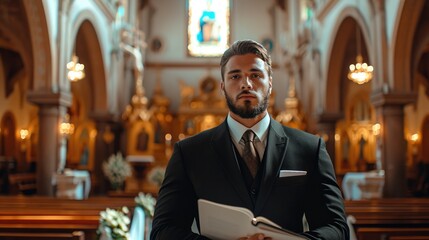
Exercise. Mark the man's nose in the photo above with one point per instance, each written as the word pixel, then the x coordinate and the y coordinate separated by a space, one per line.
pixel 246 83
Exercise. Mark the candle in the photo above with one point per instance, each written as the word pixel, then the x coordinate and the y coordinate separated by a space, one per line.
pixel 168 139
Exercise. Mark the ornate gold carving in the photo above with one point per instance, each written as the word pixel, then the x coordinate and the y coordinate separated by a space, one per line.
pixel 198 112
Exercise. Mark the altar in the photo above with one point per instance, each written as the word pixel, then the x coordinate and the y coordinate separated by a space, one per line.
pixel 140 165
pixel 363 185
pixel 72 184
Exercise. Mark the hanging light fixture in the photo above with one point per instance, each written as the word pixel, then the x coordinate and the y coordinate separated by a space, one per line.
pixel 76 70
pixel 360 72
pixel 66 128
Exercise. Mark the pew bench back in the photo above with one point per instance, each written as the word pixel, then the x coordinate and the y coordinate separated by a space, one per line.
pixel 45 216
pixel 383 219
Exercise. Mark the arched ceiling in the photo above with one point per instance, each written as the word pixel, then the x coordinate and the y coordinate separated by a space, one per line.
pixel 344 52
pixel 15 46
pixel 91 91
pixel 422 48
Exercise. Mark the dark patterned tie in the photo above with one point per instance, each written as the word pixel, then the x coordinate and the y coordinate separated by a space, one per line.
pixel 250 155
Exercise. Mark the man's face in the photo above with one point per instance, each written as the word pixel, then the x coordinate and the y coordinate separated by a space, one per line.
pixel 246 85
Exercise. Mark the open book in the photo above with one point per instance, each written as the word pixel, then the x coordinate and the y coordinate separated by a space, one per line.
pixel 220 221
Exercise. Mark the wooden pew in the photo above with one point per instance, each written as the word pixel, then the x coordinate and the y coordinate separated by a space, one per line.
pixel 22 183
pixel 382 219
pixel 386 233
pixel 44 215
pixel 76 235
pixel 409 238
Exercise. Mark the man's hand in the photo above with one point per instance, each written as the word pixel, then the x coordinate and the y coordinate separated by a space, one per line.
pixel 258 236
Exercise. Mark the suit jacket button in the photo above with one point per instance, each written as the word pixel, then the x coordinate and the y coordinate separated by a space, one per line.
pixel 253 191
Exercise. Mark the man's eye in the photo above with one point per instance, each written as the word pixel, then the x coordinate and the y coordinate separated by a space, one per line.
pixel 236 76
pixel 255 75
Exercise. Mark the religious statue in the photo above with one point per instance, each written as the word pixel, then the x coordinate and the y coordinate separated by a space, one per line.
pixel 361 163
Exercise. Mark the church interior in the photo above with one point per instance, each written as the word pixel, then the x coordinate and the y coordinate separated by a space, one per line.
pixel 95 93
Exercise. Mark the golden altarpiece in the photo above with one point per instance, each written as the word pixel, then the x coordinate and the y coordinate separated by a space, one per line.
pixel 200 110
pixel 292 116
pixel 151 131
pixel 206 108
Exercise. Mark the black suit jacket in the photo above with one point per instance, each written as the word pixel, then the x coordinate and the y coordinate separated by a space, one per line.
pixel 204 166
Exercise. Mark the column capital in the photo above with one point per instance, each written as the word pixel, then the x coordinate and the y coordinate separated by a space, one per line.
pixel 43 97
pixel 381 99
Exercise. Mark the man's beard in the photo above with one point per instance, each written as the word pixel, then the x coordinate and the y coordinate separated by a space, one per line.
pixel 247 111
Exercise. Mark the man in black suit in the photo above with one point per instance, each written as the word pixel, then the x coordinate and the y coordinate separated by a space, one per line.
pixel 213 165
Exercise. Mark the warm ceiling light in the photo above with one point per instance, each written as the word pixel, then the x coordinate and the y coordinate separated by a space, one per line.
pixel 360 72
pixel 76 70
pixel 376 128
pixel 23 134
pixel 66 128
pixel 414 138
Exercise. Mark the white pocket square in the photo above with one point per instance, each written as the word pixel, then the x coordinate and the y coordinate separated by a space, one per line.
pixel 292 173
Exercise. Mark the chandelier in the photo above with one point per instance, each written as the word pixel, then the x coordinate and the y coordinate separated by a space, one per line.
pixel 75 70
pixel 66 128
pixel 360 72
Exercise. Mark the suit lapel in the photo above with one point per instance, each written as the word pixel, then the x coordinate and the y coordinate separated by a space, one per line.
pixel 223 147
pixel 275 153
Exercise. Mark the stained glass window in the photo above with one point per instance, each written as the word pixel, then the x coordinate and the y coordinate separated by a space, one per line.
pixel 208 27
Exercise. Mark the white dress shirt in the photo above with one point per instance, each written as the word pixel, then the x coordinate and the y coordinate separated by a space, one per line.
pixel 237 130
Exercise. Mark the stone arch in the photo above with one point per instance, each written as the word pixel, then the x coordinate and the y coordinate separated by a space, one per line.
pixel 15 47
pixel 402 44
pixel 40 40
pixel 425 140
pixel 344 32
pixel 420 54
pixel 88 47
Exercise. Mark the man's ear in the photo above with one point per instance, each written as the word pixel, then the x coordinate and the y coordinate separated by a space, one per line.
pixel 222 87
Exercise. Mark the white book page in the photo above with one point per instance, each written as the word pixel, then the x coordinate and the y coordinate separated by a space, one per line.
pixel 219 221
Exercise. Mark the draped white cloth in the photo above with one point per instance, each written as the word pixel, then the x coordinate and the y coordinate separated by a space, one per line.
pixel 350 221
pixel 138 225
pixel 363 185
pixel 72 184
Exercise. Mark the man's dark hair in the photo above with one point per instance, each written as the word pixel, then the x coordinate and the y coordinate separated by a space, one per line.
pixel 244 47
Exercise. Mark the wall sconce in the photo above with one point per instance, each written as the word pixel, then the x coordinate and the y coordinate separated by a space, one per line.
pixel 414 139
pixel 66 128
pixel 23 134
pixel 376 129
pixel 76 70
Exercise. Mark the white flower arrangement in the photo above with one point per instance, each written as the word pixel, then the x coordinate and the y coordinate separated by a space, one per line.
pixel 156 175
pixel 147 202
pixel 116 169
pixel 114 224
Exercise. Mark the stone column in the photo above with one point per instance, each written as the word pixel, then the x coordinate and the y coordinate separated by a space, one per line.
pixel 103 150
pixel 52 106
pixel 390 112
pixel 326 123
